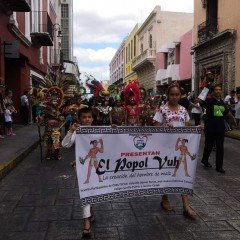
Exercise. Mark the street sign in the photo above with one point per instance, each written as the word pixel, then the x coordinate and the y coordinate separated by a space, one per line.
pixel 11 49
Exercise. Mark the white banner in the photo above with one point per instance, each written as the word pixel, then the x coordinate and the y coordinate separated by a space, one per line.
pixel 135 161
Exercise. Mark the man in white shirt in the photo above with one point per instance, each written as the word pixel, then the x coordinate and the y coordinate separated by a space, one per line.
pixel 25 107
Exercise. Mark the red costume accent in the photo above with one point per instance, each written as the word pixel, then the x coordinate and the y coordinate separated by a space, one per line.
pixel 132 98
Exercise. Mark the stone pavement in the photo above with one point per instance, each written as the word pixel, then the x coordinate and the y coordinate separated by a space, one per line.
pixel 40 201
pixel 14 148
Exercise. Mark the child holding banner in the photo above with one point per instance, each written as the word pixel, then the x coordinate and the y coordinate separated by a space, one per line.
pixel 86 118
pixel 173 115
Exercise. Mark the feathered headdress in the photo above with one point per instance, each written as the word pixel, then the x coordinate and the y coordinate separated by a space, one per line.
pixel 97 88
pixel 132 91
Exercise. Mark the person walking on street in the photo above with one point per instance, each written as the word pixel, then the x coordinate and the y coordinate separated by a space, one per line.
pixel 196 112
pixel 216 113
pixel 25 107
pixel 172 114
pixel 237 109
pixel 230 100
pixel 85 117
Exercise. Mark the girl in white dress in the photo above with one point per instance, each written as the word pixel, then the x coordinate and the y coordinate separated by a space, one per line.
pixel 174 115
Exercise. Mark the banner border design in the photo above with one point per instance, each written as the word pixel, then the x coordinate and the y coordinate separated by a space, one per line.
pixel 134 193
pixel 137 130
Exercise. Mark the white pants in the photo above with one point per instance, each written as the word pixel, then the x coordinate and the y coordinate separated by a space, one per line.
pixel 86 211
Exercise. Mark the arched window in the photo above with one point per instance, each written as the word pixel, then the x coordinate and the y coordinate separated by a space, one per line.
pixel 150 41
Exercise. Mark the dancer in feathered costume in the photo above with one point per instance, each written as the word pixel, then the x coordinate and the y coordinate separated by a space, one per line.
pixel 50 98
pixel 118 112
pixel 102 112
pixel 132 98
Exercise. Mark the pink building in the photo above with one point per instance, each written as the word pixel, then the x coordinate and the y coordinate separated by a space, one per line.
pixel 117 65
pixel 174 63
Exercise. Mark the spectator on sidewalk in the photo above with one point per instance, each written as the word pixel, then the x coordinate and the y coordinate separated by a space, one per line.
pixel 237 109
pixel 25 107
pixel 216 112
pixel 2 108
pixel 8 120
pixel 8 100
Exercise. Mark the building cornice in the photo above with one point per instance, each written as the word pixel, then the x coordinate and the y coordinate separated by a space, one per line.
pixel 15 30
pixel 149 18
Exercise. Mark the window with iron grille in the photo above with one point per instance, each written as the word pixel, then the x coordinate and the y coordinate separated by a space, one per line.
pixel 64 11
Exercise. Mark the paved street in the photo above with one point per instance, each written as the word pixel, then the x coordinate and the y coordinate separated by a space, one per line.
pixel 40 201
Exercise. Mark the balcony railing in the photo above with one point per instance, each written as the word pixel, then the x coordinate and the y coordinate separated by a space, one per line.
pixel 41 28
pixel 16 5
pixel 206 31
pixel 149 55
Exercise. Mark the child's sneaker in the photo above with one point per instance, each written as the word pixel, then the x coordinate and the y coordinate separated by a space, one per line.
pixel 2 137
pixel 13 134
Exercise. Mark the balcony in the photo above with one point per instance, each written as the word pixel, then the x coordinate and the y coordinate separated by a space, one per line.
pixel 147 56
pixel 16 5
pixel 206 31
pixel 55 57
pixel 41 29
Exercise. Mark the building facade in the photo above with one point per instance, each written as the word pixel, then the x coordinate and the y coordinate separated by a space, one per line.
pixel 158 29
pixel 117 65
pixel 29 38
pixel 174 63
pixel 67 29
pixel 131 51
pixel 216 42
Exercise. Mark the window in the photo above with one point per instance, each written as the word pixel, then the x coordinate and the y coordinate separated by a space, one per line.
pixel 150 41
pixel 131 49
pixel 126 54
pixel 212 13
pixel 64 11
pixel 141 47
pixel 165 60
pixel 134 46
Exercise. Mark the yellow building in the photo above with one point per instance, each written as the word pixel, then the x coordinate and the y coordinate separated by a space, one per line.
pixel 131 51
pixel 217 41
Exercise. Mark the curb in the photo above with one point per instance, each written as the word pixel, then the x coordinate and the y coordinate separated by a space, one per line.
pixel 11 164
pixel 232 135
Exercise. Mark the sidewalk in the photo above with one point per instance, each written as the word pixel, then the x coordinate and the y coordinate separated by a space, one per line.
pixel 13 149
pixel 235 134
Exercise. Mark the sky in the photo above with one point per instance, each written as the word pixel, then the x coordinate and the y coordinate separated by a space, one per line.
pixel 99 26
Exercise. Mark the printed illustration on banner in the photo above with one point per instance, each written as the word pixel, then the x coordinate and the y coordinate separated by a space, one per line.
pixel 184 152
pixel 92 156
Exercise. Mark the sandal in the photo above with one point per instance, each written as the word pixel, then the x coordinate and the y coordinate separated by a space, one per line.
pixel 165 204
pixel 87 231
pixel 189 212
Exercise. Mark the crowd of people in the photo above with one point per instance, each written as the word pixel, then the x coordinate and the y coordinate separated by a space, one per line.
pixel 131 106
pixel 169 110
pixel 8 111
